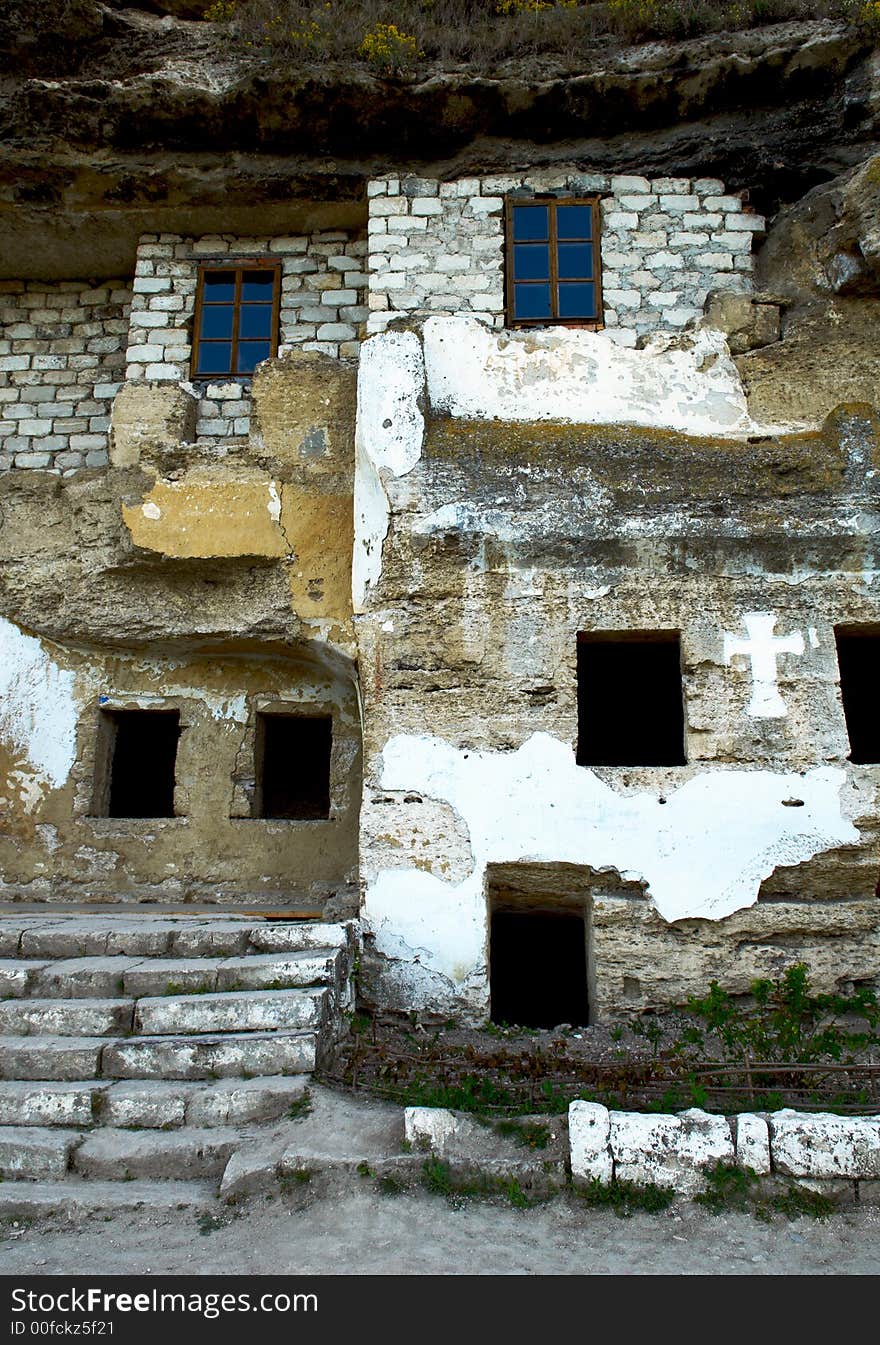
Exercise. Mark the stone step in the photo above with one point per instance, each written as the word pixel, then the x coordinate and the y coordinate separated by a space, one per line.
pixel 53 1102
pixel 76 1197
pixel 16 974
pixel 156 1104
pixel 236 1011
pixel 148 1103
pixel 235 1055
pixel 66 1017
pixel 125 1155
pixel 257 971
pixel 50 1057
pixel 30 1153
pixel 78 936
pixel 82 978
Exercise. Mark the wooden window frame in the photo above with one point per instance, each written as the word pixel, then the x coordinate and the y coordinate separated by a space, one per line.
pixel 590 324
pixel 238 265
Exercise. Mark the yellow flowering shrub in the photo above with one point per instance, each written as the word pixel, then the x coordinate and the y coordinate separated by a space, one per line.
pixel 389 50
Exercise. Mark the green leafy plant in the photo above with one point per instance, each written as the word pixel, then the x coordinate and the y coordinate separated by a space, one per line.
pixel 531 1134
pixel 785 1022
pixel 626 1198
pixel 300 1106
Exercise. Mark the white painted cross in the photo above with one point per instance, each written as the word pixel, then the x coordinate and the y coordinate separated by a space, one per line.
pixel 763 648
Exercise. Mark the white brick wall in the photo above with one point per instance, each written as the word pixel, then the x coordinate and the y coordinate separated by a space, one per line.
pixel 62 358
pixel 323 308
pixel 438 247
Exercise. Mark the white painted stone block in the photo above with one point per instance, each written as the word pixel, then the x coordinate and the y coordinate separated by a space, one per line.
pixel 589 1131
pixel 429 1128
pixel 753 1143
pixel 669 1150
pixel 823 1145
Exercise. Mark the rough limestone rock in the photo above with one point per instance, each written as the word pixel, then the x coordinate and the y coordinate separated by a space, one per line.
pixel 589 1129
pixel 821 260
pixel 825 1146
pixel 669 1150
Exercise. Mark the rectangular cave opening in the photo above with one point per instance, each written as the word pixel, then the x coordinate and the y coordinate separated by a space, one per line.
pixel 858 659
pixel 538 967
pixel 293 766
pixel 630 699
pixel 137 765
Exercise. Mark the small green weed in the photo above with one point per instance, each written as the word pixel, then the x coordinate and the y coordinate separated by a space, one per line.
pixel 800 1200
pixel 300 1106
pixel 209 1223
pixel 364 1170
pixel 626 1198
pixel 439 1179
pixel 294 1179
pixel 531 1134
pixel 390 1184
pixel 727 1188
pixel 731 1188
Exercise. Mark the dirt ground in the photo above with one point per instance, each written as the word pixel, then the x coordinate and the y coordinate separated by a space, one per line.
pixel 343 1225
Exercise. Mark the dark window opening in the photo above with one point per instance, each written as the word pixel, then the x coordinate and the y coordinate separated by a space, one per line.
pixel 293 766
pixel 553 262
pixel 538 968
pixel 858 658
pixel 236 323
pixel 630 701
pixel 141 753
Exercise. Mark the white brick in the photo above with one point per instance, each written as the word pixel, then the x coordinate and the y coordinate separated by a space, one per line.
pixel 485 205
pixel 628 184
pixel 702 219
pixel 621 219
pixel 409 224
pixel 688 238
pixel 288 245
pixel 426 205
pixel 708 186
pixel 163 373
pixel 150 284
pixel 384 205
pixel 745 223
pixel 723 203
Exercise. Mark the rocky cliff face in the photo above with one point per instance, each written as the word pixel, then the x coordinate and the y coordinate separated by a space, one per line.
pixel 117 120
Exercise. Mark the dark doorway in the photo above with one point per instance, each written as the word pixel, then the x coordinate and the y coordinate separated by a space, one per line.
pixel 630 701
pixel 142 756
pixel 538 968
pixel 858 657
pixel 293 766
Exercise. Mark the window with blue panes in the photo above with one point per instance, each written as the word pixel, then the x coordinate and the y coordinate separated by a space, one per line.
pixel 553 262
pixel 236 319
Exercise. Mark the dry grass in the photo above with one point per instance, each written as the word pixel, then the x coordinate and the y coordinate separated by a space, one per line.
pixel 399 37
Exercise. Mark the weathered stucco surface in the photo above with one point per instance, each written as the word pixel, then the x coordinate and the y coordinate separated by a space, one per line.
pixel 499 539
pixel 220 587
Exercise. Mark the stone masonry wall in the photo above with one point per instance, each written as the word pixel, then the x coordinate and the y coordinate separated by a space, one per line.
pixel 323 308
pixel 438 247
pixel 62 358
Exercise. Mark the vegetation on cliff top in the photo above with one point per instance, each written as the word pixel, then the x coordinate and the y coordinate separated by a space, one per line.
pixel 398 37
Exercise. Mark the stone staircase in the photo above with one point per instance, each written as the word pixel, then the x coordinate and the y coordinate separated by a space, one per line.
pixel 139 1054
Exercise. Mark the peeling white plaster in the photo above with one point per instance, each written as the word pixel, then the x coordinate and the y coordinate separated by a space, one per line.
pixel 686 382
pixel 151 510
pixel 703 853
pixel 274 505
pixel 762 648
pixel 38 713
pixel 390 430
